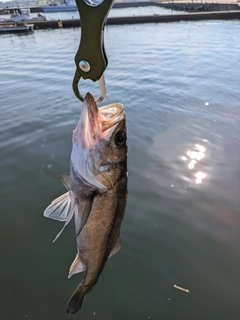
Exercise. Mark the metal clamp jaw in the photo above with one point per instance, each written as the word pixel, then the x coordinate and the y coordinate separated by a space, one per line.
pixel 91 60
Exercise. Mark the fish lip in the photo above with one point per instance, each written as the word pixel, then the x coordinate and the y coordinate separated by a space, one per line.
pixel 99 123
pixel 114 118
pixel 91 107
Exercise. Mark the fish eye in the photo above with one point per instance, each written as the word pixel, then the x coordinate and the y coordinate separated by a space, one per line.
pixel 120 138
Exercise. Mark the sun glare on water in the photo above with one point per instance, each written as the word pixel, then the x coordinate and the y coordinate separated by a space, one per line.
pixel 192 159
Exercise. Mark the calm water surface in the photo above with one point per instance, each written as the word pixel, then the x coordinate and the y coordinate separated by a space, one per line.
pixel 180 84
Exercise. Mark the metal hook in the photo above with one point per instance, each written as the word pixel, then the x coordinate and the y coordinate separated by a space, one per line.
pixel 101 82
pixel 102 86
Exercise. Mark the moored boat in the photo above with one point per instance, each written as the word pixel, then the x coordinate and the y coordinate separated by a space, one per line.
pixel 16 28
pixel 4 11
pixel 67 5
pixel 25 15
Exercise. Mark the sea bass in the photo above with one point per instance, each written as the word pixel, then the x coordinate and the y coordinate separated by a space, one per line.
pixel 97 192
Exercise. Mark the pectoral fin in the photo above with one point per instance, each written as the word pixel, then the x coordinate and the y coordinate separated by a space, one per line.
pixel 69 218
pixel 116 247
pixel 61 209
pixel 77 266
pixel 85 212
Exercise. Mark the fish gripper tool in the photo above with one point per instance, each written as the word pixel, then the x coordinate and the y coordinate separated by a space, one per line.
pixel 91 59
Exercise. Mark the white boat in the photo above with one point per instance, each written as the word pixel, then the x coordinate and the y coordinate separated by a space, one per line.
pixel 15 28
pixel 4 11
pixel 25 15
pixel 67 5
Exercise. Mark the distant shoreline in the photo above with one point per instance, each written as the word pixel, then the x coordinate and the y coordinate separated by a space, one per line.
pixel 179 5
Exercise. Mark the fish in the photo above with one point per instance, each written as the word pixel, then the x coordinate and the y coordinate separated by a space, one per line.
pixel 96 194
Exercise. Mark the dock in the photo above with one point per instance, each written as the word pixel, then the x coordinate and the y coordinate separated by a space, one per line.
pixel 188 6
pixel 154 18
pixel 75 23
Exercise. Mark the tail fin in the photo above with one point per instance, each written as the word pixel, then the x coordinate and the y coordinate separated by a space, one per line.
pixel 75 302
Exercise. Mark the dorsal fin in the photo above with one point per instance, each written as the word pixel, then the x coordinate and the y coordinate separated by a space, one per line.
pixel 116 248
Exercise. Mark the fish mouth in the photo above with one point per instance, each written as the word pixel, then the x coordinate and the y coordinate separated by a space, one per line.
pixel 97 123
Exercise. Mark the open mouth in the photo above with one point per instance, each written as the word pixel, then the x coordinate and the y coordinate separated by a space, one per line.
pixel 97 123
pixel 113 114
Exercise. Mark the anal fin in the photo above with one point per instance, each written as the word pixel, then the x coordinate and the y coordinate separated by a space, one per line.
pixel 77 266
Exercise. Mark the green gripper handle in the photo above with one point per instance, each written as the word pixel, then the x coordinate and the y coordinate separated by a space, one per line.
pixel 91 48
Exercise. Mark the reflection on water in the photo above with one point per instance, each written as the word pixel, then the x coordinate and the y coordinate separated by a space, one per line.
pixel 200 176
pixel 192 159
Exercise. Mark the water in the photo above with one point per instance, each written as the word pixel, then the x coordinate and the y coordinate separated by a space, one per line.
pixel 180 84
